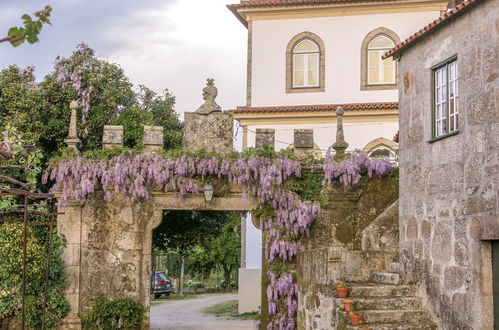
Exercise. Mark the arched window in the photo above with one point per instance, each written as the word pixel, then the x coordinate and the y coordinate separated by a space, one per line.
pixel 381 148
pixel 305 64
pixel 377 73
pixel 380 71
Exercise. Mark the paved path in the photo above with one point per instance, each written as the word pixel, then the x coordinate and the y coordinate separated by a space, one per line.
pixel 188 314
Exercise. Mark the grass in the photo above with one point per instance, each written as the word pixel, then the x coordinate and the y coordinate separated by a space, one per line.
pixel 229 309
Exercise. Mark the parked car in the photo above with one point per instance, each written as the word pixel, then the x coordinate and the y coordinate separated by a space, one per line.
pixel 160 284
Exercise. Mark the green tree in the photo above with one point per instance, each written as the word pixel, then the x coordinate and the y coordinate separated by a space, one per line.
pixel 31 28
pixel 181 232
pixel 207 240
pixel 105 95
pixel 151 109
pixel 222 251
pixel 20 100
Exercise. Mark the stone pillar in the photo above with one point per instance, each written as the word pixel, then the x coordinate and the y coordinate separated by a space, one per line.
pixel 340 145
pixel 209 128
pixel 153 138
pixel 69 224
pixel 265 137
pixel 212 132
pixel 304 142
pixel 245 137
pixel 112 136
pixel 72 140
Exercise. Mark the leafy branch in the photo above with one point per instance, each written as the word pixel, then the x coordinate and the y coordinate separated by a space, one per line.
pixel 31 29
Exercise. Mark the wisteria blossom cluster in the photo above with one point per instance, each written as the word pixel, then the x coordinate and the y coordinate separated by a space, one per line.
pixel 73 77
pixel 348 172
pixel 136 175
pixel 282 288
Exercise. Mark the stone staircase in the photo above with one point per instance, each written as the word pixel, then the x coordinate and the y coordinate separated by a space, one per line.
pixel 385 304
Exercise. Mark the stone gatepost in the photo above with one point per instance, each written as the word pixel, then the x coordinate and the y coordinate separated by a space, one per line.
pixel 209 128
pixel 72 139
pixel 304 142
pixel 153 138
pixel 112 136
pixel 265 137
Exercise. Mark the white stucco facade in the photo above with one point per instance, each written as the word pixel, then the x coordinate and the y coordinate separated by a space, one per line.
pixel 342 37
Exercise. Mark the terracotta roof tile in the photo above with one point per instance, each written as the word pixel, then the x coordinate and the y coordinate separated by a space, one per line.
pixel 290 3
pixel 319 107
pixel 432 27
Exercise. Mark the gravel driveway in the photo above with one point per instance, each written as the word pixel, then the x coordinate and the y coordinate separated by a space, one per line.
pixel 188 314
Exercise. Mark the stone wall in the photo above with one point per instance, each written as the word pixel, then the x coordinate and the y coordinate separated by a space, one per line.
pixel 335 247
pixel 109 244
pixel 449 188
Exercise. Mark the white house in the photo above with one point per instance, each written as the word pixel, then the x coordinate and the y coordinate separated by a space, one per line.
pixel 305 58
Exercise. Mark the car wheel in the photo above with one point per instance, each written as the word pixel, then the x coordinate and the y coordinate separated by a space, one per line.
pixel 157 295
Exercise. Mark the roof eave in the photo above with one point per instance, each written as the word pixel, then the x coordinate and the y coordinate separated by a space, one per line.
pixel 239 16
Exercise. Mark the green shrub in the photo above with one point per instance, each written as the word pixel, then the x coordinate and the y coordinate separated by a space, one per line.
pixel 108 314
pixel 56 307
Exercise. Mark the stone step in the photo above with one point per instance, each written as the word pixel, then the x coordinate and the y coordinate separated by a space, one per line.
pixel 395 316
pixel 397 326
pixel 385 278
pixel 366 290
pixel 399 303
pixel 396 267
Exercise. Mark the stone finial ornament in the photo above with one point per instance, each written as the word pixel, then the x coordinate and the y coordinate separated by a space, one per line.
pixel 340 145
pixel 72 140
pixel 210 93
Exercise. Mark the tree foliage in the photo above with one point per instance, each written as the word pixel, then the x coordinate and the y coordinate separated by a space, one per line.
pixel 222 251
pixel 56 307
pixel 183 231
pixel 30 29
pixel 105 96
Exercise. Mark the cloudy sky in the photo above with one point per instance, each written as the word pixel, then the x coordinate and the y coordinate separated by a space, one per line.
pixel 174 44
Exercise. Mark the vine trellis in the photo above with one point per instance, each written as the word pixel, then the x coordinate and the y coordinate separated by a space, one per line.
pixel 283 214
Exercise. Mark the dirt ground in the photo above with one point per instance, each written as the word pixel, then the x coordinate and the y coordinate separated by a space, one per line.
pixel 188 314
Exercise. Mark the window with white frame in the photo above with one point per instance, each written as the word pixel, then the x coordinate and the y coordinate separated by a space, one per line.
pixel 445 98
pixel 380 71
pixel 306 64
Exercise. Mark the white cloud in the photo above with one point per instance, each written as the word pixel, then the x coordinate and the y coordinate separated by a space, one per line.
pixel 178 46
pixel 174 44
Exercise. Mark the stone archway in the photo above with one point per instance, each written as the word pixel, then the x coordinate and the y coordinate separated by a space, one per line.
pixel 109 244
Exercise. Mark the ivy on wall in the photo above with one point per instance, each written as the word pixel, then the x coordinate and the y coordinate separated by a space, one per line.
pixel 288 204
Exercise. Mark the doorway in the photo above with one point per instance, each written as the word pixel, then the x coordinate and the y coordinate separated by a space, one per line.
pixel 197 255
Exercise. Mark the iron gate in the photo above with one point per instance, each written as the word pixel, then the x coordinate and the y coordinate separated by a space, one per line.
pixel 27 208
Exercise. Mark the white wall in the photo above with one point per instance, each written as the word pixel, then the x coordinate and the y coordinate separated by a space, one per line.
pixel 357 135
pixel 253 244
pixel 342 37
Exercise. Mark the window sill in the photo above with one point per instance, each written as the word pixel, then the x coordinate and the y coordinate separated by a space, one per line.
pixel 441 137
pixel 378 87
pixel 305 89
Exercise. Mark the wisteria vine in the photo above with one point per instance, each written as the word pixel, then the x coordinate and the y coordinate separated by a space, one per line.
pixel 72 76
pixel 137 175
